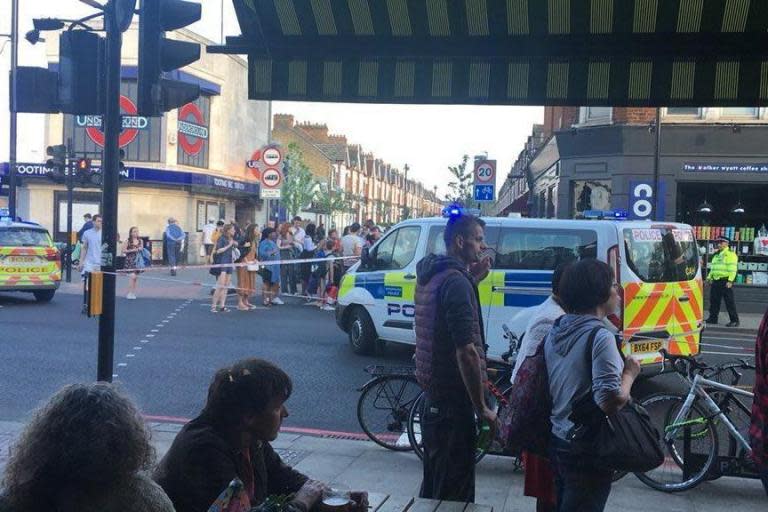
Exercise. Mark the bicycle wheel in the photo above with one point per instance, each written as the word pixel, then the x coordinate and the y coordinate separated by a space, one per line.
pixel 671 476
pixel 383 409
pixel 414 430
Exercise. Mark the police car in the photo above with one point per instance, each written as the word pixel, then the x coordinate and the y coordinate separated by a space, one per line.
pixel 29 261
pixel 656 266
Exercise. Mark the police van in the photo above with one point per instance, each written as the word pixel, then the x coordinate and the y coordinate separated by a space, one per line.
pixel 29 261
pixel 656 266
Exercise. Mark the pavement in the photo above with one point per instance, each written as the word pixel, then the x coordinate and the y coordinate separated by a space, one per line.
pixel 366 466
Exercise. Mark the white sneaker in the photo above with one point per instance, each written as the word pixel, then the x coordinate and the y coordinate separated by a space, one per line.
pixel 130 296
pixel 328 308
pixel 277 301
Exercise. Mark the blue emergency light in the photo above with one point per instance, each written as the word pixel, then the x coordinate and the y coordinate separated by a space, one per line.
pixel 457 210
pixel 618 214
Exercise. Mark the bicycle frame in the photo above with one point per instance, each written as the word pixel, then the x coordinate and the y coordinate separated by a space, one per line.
pixel 711 409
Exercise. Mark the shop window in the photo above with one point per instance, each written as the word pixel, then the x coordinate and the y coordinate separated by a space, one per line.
pixel 194 133
pixel 741 112
pixel 209 210
pixel 684 112
pixel 141 139
pixel 595 115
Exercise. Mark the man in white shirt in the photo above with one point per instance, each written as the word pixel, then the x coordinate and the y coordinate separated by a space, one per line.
pixel 352 244
pixel 90 253
pixel 208 231
pixel 298 233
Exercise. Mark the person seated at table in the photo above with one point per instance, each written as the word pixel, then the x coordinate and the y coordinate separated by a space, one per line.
pixel 86 450
pixel 231 439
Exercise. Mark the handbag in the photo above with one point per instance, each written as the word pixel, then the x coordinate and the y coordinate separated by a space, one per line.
pixel 525 422
pixel 146 257
pixel 623 441
pixel 235 254
pixel 201 252
pixel 214 271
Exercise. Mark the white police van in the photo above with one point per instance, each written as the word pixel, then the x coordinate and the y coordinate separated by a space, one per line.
pixel 656 265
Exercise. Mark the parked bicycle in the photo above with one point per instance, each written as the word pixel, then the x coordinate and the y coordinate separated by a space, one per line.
pixel 692 425
pixel 385 403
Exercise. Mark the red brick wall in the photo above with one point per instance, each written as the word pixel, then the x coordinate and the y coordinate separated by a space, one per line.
pixel 558 118
pixel 633 115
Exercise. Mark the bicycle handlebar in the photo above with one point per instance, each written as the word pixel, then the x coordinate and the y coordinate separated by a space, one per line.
pixel 684 365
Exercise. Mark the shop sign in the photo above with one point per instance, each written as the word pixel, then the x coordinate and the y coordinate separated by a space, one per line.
pixel 732 168
pixel 131 124
pixel 641 200
pixel 193 131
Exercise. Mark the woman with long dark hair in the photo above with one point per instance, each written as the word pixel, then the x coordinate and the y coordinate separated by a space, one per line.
pixel 134 247
pixel 85 450
pixel 223 257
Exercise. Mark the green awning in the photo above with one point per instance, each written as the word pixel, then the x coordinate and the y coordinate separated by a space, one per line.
pixel 516 52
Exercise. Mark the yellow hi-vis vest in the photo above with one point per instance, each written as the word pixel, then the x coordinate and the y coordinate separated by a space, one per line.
pixel 723 265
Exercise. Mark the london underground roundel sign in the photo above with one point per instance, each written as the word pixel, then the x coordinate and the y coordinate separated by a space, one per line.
pixel 253 164
pixel 192 130
pixel 132 123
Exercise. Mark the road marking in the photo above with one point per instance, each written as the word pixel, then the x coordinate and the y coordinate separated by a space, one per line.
pixel 154 330
pixel 144 341
pixel 122 364
pixel 114 375
pixel 136 348
pixel 165 321
pixel 723 346
pixel 150 335
pixel 130 355
pixel 159 325
pixel 741 354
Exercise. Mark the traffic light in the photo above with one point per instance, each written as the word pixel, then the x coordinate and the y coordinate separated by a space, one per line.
pixel 157 55
pixel 81 58
pixel 57 163
pixel 86 175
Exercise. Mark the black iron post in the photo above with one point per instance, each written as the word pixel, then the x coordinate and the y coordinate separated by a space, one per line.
pixel 110 164
pixel 70 193
pixel 656 150
pixel 13 126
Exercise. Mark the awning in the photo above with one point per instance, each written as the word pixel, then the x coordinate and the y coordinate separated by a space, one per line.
pixel 521 52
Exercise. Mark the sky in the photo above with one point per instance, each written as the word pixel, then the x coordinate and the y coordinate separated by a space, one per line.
pixel 429 138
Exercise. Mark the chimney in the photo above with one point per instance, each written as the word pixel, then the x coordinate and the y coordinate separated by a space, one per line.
pixel 283 121
pixel 317 132
pixel 338 139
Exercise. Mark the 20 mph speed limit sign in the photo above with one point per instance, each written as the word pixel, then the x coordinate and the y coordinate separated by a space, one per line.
pixel 485 172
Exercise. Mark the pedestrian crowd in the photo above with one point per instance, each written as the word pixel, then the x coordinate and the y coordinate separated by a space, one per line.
pixel 571 387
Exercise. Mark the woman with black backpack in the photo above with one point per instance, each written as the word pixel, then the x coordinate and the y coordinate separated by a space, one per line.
pixel 583 360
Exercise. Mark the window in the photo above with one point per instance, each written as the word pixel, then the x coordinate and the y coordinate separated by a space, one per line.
pixel 543 249
pixel 436 242
pixel 595 115
pixel 747 112
pixel 397 249
pixel 24 237
pixel 684 111
pixel 661 255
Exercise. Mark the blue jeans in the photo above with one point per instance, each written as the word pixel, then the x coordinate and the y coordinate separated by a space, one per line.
pixel 172 252
pixel 581 487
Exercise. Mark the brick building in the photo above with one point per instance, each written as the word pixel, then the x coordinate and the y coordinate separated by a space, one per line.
pixel 376 190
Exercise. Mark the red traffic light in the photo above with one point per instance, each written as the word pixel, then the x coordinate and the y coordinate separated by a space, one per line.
pixel 84 164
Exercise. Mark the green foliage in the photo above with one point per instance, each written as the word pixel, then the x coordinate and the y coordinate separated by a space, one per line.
pixel 461 184
pixel 331 203
pixel 300 187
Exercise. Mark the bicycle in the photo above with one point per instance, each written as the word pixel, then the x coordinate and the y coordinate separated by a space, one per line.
pixel 498 388
pixel 385 403
pixel 692 423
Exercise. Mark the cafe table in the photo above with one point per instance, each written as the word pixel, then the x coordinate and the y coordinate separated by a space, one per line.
pixel 394 503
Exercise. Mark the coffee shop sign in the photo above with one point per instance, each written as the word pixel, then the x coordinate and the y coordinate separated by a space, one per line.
pixel 725 167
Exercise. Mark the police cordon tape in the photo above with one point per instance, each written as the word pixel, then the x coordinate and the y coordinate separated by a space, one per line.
pixel 243 264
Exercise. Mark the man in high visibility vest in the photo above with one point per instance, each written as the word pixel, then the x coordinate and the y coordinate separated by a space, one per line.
pixel 722 274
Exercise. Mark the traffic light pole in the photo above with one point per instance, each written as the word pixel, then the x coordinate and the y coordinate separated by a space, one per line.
pixel 13 126
pixel 70 193
pixel 110 164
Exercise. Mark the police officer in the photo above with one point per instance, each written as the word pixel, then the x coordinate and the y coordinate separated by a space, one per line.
pixel 722 274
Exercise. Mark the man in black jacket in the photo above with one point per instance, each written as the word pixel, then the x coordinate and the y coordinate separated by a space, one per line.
pixel 450 360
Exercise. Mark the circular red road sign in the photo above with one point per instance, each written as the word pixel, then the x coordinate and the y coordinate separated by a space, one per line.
pixel 126 136
pixel 271 178
pixel 192 130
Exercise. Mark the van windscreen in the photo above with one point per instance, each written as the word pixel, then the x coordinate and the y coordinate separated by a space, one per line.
pixel 661 255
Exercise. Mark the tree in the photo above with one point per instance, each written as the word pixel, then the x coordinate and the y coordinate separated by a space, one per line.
pixel 331 203
pixel 461 186
pixel 300 187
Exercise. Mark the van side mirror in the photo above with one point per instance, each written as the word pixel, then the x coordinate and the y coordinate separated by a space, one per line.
pixel 365 258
